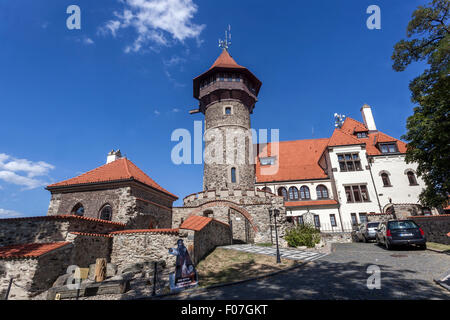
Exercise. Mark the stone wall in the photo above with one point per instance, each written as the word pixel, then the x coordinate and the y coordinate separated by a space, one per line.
pixel 49 229
pixel 436 228
pixel 35 275
pixel 207 239
pixel 87 248
pixel 132 247
pixel 255 204
pixel 135 205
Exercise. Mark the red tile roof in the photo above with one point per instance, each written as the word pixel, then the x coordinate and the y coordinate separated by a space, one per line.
pixel 342 138
pixel 91 234
pixel 309 203
pixel 225 61
pixel 166 231
pixel 119 170
pixel 29 250
pixel 297 160
pixel 196 223
pixel 66 217
pixel 352 126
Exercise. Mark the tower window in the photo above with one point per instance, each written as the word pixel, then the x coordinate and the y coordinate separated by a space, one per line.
pixel 233 175
pixel 228 110
pixel 106 213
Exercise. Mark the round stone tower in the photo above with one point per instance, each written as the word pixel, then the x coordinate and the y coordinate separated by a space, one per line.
pixel 227 94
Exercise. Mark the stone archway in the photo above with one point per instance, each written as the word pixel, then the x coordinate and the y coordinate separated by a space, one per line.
pixel 239 219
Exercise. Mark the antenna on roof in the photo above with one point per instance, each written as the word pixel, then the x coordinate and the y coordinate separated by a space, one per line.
pixel 225 44
pixel 338 120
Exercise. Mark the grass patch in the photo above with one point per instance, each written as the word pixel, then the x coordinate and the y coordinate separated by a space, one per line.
pixel 439 247
pixel 268 244
pixel 223 266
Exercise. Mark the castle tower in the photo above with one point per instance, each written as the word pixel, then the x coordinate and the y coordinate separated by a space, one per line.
pixel 227 94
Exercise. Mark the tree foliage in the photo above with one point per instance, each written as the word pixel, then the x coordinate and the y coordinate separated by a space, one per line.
pixel 428 129
pixel 302 235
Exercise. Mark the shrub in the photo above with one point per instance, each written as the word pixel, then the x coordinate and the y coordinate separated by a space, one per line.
pixel 302 235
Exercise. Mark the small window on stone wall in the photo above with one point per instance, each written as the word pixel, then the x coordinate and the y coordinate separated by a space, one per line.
pixel 233 175
pixel 106 213
pixel 78 210
pixel 228 110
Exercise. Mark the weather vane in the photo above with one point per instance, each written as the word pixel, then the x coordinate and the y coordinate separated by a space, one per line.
pixel 338 120
pixel 225 44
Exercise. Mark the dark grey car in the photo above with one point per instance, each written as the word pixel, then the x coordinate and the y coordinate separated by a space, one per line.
pixel 400 232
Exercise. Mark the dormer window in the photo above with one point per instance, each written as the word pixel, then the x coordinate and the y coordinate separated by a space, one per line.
pixel 388 148
pixel 360 135
pixel 268 161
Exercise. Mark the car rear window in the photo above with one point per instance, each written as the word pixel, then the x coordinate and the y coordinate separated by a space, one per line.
pixel 373 225
pixel 394 225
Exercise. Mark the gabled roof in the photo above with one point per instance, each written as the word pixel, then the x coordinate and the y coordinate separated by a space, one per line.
pixel 341 138
pixel 195 223
pixel 352 126
pixel 29 250
pixel 118 170
pixel 297 160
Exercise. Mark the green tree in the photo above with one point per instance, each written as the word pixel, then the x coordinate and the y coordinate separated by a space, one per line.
pixel 428 129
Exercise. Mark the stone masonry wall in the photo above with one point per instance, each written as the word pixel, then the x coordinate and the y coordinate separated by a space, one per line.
pixel 213 235
pixel 130 248
pixel 257 207
pixel 436 228
pixel 88 248
pixel 33 276
pixel 48 229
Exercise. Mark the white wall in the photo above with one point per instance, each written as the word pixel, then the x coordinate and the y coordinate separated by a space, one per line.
pixel 400 192
pixel 353 177
pixel 322 212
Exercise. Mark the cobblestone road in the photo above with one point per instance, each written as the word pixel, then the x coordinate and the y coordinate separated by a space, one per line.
pixel 405 274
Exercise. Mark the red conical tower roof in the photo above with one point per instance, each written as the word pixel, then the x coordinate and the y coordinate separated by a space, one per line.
pixel 225 61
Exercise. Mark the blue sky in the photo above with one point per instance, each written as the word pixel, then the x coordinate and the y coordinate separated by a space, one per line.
pixel 67 97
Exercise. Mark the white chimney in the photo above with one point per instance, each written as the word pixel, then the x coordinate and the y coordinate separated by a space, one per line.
pixel 366 112
pixel 113 156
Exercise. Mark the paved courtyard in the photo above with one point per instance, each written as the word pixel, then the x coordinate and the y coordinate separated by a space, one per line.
pixel 405 274
pixel 293 254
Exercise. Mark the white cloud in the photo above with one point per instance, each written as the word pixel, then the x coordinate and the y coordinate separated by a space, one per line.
pixel 175 60
pixel 156 112
pixel 88 41
pixel 9 214
pixel 176 110
pixel 23 172
pixel 153 20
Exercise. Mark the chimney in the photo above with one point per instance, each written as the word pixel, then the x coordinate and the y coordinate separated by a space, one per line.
pixel 367 116
pixel 113 156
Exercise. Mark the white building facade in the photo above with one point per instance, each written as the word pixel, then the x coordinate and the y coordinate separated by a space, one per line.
pixel 338 182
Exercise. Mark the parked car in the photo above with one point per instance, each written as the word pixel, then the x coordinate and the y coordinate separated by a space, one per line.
pixel 366 231
pixel 400 232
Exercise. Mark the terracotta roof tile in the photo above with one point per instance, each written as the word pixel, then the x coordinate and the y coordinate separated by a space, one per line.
pixel 196 223
pixel 309 203
pixel 297 160
pixel 166 231
pixel 119 170
pixel 29 250
pixel 65 217
pixel 342 138
pixel 225 61
pixel 91 234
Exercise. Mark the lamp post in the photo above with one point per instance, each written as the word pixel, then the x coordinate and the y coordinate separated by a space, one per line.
pixel 276 213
